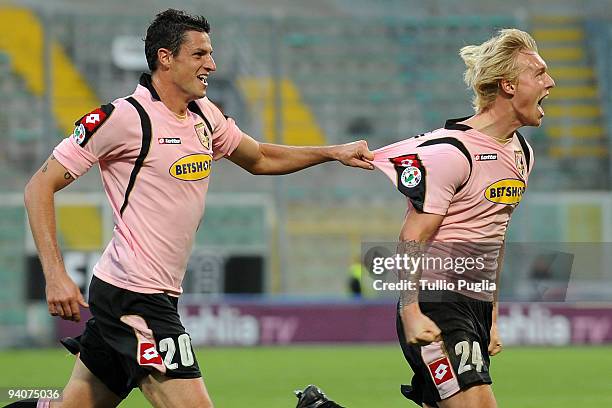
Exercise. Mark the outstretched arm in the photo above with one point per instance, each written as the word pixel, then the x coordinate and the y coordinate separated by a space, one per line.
pixel 63 295
pixel 273 159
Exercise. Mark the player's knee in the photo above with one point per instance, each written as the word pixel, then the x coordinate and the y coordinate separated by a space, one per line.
pixel 85 390
pixel 480 396
pixel 164 392
pixel 164 400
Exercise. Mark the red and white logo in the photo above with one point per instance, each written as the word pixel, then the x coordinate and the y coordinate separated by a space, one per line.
pixel 148 355
pixel 92 120
pixel 441 371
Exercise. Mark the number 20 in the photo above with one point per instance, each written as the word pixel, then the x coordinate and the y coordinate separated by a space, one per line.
pixel 184 343
pixel 463 349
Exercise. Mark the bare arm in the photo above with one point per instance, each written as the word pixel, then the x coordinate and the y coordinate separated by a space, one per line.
pixel 495 344
pixel 500 265
pixel 416 231
pixel 63 296
pixel 273 159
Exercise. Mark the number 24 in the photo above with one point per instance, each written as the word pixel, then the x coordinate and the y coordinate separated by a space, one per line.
pixel 463 349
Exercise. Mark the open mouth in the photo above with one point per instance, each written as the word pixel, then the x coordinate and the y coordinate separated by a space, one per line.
pixel 204 79
pixel 540 101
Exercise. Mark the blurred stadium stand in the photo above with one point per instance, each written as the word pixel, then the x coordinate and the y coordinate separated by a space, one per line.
pixel 310 73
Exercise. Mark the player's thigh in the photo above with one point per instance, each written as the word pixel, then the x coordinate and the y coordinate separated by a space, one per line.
pixel 165 392
pixel 85 390
pixel 477 396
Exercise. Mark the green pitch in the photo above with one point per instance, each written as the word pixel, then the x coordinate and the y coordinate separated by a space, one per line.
pixel 356 376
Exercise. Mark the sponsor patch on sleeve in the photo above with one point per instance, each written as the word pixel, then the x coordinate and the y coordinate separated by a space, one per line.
pixel 90 123
pixel 410 178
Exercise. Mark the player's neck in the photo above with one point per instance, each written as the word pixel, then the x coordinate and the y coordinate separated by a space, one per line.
pixel 170 96
pixel 494 123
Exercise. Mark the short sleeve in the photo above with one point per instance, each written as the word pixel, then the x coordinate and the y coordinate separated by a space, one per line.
pixel 226 134
pixel 429 176
pixel 99 135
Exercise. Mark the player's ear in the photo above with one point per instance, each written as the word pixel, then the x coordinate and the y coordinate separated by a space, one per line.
pixel 507 86
pixel 164 57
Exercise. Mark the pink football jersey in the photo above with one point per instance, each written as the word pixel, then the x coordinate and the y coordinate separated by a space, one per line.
pixel 155 170
pixel 471 179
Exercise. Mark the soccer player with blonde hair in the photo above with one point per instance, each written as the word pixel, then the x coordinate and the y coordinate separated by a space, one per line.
pixel 462 183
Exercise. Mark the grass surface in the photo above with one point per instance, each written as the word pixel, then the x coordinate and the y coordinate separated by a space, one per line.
pixel 356 376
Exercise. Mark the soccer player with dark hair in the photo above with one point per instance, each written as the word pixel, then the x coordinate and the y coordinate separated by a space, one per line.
pixel 155 149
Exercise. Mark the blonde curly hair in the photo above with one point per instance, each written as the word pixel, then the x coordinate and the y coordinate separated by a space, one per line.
pixel 490 62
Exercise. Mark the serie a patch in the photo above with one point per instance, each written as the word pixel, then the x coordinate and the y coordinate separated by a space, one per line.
pixel 410 178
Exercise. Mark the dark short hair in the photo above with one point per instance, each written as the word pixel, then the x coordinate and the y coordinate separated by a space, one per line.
pixel 168 31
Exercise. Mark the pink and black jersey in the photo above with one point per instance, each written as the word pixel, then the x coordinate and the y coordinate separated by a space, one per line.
pixel 155 170
pixel 469 177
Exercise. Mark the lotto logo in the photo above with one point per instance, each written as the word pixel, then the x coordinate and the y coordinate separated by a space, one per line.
pixel 485 157
pixel 441 371
pixel 92 118
pixel 148 355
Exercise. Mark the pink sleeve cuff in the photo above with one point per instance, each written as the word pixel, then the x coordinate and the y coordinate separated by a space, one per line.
pixel 73 157
pixel 233 137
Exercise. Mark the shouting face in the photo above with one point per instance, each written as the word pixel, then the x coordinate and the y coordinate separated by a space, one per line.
pixel 532 87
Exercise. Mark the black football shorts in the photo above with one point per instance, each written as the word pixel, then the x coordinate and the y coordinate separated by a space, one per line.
pixel 130 335
pixel 460 360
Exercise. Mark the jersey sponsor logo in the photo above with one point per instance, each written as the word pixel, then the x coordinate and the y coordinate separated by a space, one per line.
pixel 507 191
pixel 200 129
pixel 169 140
pixel 441 371
pixel 520 162
pixel 192 167
pixel 485 157
pixel 148 355
pixel 79 134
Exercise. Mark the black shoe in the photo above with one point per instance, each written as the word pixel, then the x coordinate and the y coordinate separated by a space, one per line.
pixel 311 397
